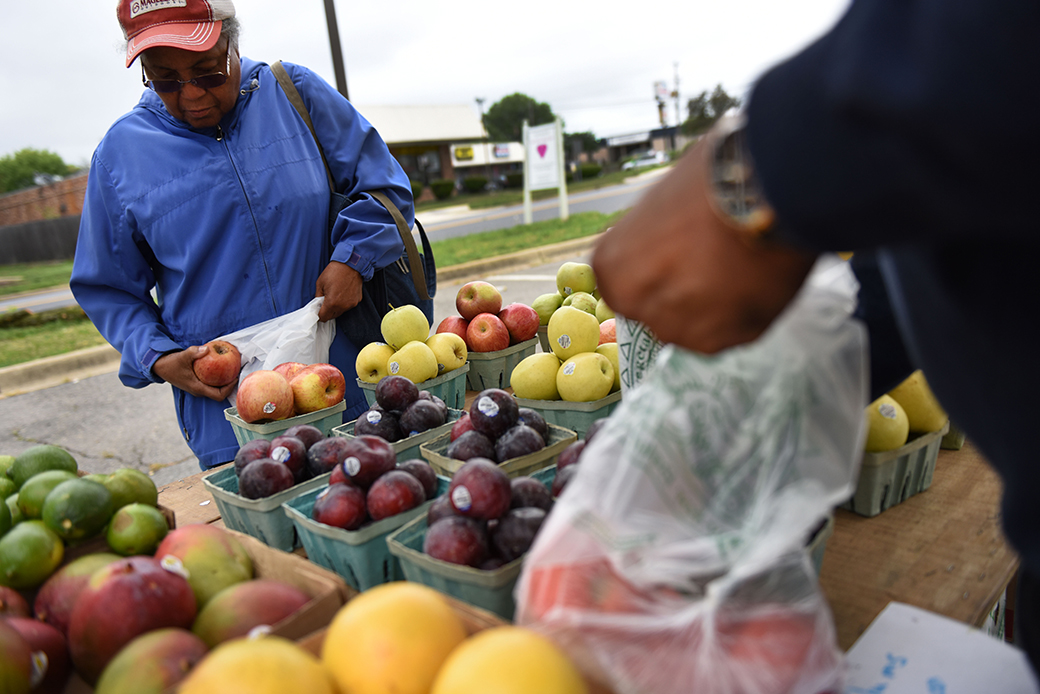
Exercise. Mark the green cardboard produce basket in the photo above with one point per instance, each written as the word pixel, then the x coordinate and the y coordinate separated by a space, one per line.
pixel 892 477
pixel 490 590
pixel 323 419
pixel 577 416
pixel 435 453
pixel 360 556
pixel 543 338
pixel 493 369
pixel 263 519
pixel 451 388
pixel 408 448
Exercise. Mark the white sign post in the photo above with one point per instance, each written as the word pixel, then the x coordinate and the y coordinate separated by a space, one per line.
pixel 543 164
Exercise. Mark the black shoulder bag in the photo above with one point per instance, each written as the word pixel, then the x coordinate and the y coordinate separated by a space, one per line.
pixel 411 279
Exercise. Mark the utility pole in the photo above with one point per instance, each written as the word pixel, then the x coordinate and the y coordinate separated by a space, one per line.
pixel 337 51
pixel 487 156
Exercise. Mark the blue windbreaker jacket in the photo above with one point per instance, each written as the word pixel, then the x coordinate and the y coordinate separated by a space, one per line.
pixel 229 225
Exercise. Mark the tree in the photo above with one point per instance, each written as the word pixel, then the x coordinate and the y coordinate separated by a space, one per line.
pixel 19 170
pixel 504 120
pixel 580 142
pixel 704 110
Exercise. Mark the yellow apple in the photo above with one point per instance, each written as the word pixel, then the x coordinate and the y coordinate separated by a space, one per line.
pixel 575 277
pixel 603 312
pixel 534 378
pixel 583 300
pixel 923 411
pixel 371 361
pixel 610 351
pixel 887 425
pixel 403 325
pixel 449 349
pixel 545 305
pixel 585 377
pixel 415 361
pixel 572 331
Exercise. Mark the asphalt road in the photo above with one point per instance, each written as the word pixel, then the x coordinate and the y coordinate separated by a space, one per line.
pixel 107 426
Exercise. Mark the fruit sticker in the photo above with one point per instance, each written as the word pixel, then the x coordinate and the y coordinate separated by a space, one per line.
pixel 270 407
pixel 488 407
pixel 393 367
pixel 373 417
pixel 564 341
pixel 568 369
pixel 280 454
pixel 887 411
pixel 39 668
pixel 352 466
pixel 461 498
pixel 174 566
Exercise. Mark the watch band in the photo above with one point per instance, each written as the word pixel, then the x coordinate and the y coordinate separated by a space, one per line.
pixel 736 194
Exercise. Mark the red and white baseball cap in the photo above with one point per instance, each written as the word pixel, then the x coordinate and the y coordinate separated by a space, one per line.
pixel 193 25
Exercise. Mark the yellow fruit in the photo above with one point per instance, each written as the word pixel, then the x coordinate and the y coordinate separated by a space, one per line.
pixel 887 425
pixel 508 660
pixel 267 665
pixel 391 639
pixel 922 409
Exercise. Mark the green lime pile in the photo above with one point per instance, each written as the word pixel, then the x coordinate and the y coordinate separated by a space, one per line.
pixel 50 504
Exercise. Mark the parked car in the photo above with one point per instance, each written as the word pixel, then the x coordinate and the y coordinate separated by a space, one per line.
pixel 644 160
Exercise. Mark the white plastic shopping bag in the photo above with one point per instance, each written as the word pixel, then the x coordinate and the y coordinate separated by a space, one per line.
pixel 674 562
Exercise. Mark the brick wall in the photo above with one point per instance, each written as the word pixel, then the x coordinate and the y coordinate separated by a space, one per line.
pixel 60 199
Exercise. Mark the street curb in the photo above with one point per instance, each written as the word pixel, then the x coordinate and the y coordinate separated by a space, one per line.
pixel 92 361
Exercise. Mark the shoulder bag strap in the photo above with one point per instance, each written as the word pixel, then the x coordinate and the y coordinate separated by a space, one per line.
pixel 418 274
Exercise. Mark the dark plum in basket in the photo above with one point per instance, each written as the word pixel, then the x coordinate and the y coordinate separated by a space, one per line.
pixel 480 489
pixel 471 444
pixel 395 492
pixel 424 473
pixel 420 416
pixel 375 421
pixel 527 491
pixel 263 478
pixel 518 441
pixel 457 540
pixel 494 411
pixel 308 433
pixel 536 421
pixel 515 532
pixel 395 393
pixel 341 506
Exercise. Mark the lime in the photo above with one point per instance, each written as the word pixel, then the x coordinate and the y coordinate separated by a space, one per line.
pixel 39 458
pixel 29 553
pixel 77 509
pixel 16 513
pixel 33 492
pixel 7 487
pixel 5 519
pixel 6 461
pixel 136 529
pixel 130 486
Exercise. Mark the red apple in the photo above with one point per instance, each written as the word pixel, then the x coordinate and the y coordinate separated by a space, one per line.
pixel 607 331
pixel 454 324
pixel 290 368
pixel 316 387
pixel 478 297
pixel 487 333
pixel 264 396
pixel 219 365
pixel 521 320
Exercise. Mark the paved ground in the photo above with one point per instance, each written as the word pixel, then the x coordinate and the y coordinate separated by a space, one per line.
pixel 84 408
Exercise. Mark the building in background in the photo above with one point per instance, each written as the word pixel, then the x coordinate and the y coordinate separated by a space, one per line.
pixel 493 160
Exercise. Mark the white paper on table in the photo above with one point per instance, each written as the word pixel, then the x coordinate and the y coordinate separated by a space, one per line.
pixel 907 650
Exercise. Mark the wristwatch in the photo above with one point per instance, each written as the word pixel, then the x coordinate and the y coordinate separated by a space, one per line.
pixel 735 193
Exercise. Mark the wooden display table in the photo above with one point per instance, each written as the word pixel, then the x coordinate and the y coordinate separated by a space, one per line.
pixel 941 550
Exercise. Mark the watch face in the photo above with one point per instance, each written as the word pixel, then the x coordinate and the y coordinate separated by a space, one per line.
pixel 737 193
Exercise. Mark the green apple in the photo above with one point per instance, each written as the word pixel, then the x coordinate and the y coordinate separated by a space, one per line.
pixel 585 377
pixel 371 361
pixel 603 312
pixel 403 325
pixel 575 277
pixel 610 351
pixel 583 300
pixel 572 331
pixel 546 305
pixel 415 361
pixel 534 378
pixel 449 349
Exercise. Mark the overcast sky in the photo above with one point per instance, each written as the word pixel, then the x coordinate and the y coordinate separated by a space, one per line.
pixel 595 64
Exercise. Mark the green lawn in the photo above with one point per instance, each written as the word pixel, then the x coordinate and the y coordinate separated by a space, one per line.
pixel 65 331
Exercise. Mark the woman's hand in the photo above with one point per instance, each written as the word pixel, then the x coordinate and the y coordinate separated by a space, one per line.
pixel 176 368
pixel 340 284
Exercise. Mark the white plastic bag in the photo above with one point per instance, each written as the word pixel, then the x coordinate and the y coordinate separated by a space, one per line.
pixel 297 336
pixel 674 562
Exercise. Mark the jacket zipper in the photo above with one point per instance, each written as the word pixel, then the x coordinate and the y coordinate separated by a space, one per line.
pixel 249 206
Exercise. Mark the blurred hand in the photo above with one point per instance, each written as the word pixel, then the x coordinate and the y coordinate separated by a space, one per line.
pixel 176 369
pixel 341 286
pixel 673 265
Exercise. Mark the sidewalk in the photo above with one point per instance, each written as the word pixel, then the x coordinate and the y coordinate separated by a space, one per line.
pixel 93 361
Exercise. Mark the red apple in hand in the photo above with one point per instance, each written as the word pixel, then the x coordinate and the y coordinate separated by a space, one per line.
pixel 520 320
pixel 487 333
pixel 316 387
pixel 289 369
pixel 454 324
pixel 220 364
pixel 478 297
pixel 264 396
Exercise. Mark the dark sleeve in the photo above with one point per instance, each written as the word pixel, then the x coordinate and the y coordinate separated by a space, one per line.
pixel 909 120
pixel 890 362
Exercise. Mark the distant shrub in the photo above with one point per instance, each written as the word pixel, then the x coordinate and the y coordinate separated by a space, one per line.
pixel 589 170
pixel 417 188
pixel 474 184
pixel 515 180
pixel 442 188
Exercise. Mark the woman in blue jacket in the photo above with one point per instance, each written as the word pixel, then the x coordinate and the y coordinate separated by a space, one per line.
pixel 212 192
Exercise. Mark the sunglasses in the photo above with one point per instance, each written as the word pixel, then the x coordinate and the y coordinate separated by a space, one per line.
pixel 202 82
